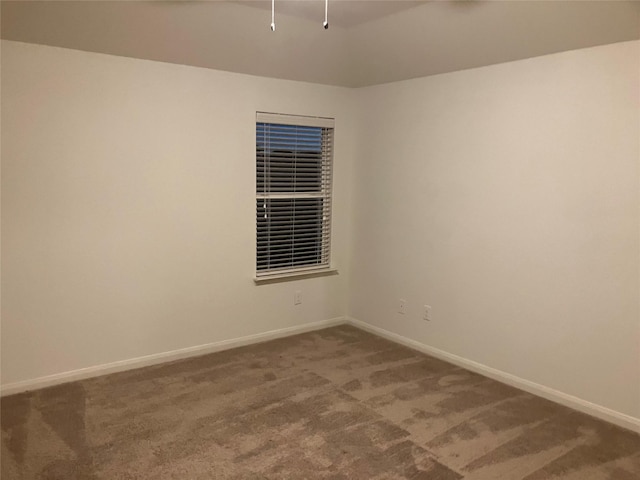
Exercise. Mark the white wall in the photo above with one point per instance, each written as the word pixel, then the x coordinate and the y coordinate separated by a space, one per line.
pixel 128 209
pixel 507 198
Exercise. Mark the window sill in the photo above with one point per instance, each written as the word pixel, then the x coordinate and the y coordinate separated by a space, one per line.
pixel 286 277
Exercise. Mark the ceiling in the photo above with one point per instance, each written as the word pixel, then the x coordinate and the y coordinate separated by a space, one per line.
pixel 368 42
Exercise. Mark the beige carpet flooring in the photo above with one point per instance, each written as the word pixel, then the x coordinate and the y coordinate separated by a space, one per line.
pixel 337 404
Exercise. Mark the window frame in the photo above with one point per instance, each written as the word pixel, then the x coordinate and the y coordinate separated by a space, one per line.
pixel 325 193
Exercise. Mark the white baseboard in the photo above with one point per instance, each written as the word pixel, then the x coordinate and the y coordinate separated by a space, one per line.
pixel 612 416
pixel 598 411
pixel 130 364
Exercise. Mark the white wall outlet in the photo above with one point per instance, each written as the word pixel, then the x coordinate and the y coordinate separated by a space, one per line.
pixel 426 315
pixel 402 307
pixel 297 297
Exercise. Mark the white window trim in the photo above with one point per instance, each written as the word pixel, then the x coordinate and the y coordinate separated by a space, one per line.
pixel 297 275
pixel 282 119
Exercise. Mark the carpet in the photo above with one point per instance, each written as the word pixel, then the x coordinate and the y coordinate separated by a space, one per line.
pixel 338 403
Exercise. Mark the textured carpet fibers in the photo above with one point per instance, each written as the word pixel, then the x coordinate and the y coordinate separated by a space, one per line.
pixel 338 403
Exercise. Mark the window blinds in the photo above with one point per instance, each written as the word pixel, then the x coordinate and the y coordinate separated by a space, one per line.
pixel 293 193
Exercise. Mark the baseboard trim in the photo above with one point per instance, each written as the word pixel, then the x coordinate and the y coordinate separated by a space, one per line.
pixel 598 411
pixel 148 360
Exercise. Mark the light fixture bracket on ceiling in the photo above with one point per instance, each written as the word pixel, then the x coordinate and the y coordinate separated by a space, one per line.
pixel 325 24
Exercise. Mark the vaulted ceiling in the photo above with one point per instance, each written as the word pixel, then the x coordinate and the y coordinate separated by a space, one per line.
pixel 368 42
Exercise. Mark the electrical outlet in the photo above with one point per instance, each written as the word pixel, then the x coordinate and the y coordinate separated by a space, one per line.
pixel 402 307
pixel 297 297
pixel 426 315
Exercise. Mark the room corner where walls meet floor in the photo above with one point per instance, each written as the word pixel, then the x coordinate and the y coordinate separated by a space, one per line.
pixel 575 403
pixel 337 402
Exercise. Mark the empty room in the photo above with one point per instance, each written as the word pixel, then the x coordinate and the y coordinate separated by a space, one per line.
pixel 304 239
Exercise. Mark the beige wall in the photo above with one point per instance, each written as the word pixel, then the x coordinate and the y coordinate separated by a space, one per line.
pixel 506 197
pixel 128 209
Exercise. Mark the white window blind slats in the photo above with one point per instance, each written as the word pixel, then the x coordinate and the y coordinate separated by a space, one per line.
pixel 293 195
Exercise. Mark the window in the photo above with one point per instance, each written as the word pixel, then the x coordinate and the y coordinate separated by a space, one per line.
pixel 293 193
